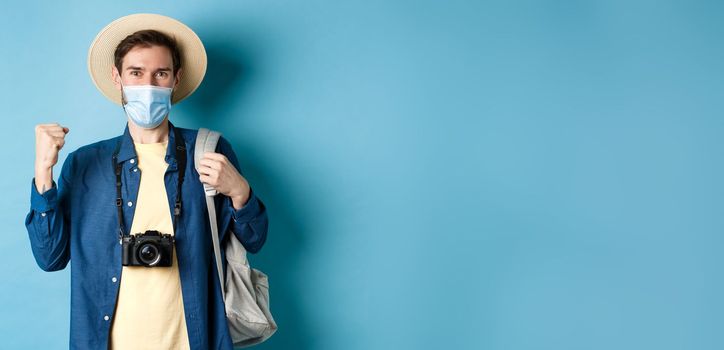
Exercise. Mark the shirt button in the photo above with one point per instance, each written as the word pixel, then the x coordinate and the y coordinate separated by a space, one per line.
pixel 114 279
pixel 130 203
pixel 106 317
pixel 42 214
pixel 133 161
pixel 135 170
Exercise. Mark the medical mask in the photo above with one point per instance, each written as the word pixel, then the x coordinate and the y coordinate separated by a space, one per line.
pixel 147 105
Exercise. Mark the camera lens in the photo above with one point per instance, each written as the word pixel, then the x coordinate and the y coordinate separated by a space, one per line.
pixel 148 254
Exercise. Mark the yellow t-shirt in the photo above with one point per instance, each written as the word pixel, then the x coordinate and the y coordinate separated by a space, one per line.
pixel 150 310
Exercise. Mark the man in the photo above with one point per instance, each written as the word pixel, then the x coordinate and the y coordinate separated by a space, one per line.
pixel 112 193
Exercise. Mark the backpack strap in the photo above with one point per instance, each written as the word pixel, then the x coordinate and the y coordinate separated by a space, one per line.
pixel 206 141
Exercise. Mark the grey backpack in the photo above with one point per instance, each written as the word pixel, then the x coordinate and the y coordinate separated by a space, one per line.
pixel 245 289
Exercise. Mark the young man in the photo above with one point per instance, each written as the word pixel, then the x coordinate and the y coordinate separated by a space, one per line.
pixel 129 212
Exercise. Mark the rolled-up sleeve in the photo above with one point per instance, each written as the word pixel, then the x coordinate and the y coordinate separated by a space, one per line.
pixel 48 223
pixel 44 202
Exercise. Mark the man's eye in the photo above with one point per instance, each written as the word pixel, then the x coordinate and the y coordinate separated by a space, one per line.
pixel 162 74
pixel 135 73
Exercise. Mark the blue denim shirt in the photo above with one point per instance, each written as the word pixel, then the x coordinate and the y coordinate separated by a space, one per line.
pixel 76 221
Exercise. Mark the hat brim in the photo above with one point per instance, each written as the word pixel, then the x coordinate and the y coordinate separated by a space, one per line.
pixel 100 54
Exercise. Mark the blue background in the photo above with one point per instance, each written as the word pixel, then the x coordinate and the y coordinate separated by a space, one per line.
pixel 438 175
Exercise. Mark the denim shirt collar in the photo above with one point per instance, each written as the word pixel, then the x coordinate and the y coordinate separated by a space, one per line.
pixel 128 150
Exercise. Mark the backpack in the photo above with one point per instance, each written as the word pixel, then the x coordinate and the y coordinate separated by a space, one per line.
pixel 245 290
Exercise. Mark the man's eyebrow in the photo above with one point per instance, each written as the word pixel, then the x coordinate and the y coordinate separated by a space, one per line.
pixel 162 69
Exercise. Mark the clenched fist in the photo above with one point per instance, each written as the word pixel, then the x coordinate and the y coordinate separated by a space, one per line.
pixel 49 139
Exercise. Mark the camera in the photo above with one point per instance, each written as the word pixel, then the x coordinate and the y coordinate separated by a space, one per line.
pixel 149 249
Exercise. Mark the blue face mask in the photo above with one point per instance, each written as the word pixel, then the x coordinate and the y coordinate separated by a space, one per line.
pixel 147 105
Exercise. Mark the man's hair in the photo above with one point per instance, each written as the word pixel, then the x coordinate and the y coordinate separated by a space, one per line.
pixel 147 38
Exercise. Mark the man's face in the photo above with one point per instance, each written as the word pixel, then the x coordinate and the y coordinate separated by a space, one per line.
pixel 146 66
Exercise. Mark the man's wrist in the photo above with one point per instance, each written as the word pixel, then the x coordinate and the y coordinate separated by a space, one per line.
pixel 240 197
pixel 239 201
pixel 42 168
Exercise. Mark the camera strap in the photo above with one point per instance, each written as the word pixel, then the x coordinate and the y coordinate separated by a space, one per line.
pixel 180 149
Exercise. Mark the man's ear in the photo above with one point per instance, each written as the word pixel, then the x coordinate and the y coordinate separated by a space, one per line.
pixel 179 75
pixel 116 78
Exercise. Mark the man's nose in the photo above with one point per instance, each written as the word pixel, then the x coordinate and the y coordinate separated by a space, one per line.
pixel 145 81
pixel 150 80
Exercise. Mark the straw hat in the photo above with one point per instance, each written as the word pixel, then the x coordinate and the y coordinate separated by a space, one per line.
pixel 100 54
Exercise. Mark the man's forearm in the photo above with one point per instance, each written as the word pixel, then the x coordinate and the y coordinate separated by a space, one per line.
pixel 43 179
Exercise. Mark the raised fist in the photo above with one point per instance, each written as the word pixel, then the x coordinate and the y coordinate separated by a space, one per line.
pixel 49 139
